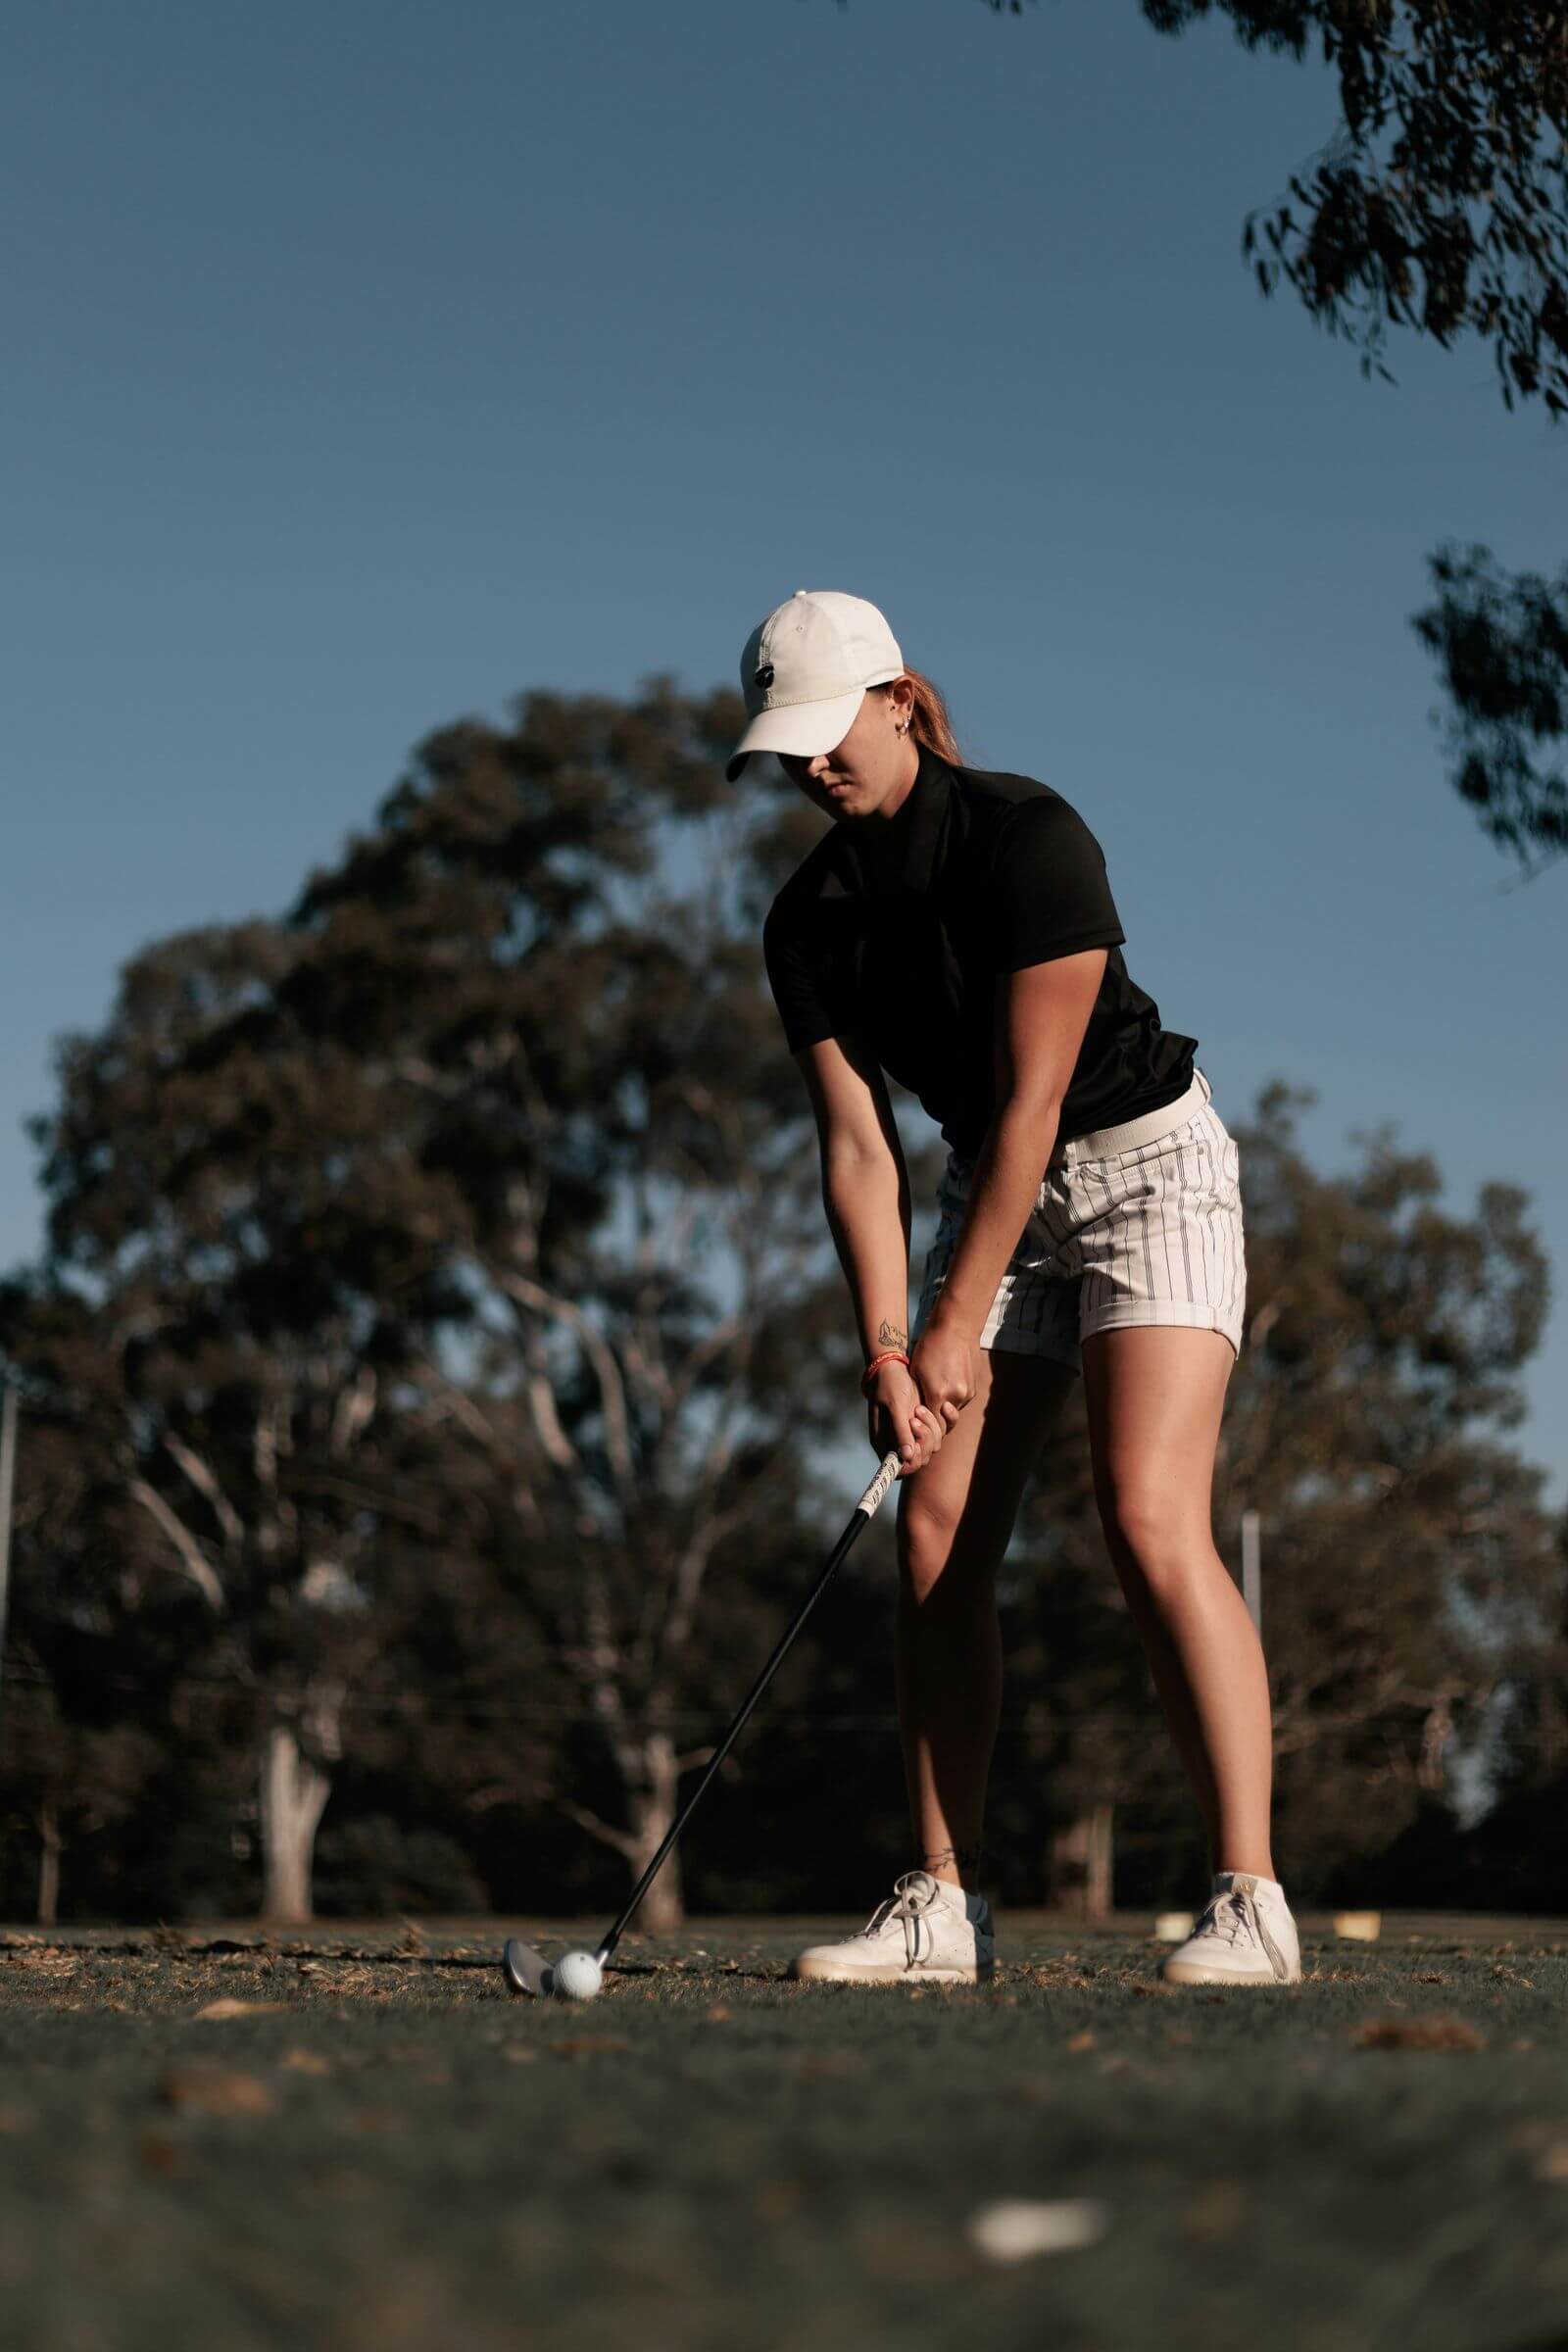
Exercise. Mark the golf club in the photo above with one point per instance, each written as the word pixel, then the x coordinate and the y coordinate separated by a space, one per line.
pixel 527 1971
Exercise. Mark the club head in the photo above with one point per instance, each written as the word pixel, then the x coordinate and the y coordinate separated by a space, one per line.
pixel 524 1969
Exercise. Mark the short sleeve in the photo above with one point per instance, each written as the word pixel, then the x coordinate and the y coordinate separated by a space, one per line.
pixel 801 975
pixel 1049 894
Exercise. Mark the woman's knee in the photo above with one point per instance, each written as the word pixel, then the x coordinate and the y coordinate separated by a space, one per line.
pixel 935 1549
pixel 926 1528
pixel 1160 1549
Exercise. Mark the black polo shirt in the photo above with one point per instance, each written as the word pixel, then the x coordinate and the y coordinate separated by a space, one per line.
pixel 896 928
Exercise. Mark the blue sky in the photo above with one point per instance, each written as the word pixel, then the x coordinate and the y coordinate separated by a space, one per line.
pixel 370 365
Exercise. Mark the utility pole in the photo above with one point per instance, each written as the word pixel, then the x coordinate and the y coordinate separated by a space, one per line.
pixel 8 1480
pixel 1252 1569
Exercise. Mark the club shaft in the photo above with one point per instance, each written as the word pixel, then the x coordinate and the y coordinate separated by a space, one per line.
pixel 859 1517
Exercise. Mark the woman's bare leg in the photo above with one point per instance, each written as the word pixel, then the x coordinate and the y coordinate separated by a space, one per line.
pixel 1155 1396
pixel 954 1520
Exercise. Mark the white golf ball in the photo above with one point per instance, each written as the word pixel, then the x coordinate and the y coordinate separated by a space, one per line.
pixel 578 1977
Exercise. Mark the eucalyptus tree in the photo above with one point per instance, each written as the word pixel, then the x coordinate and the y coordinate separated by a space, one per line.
pixel 1501 641
pixel 1439 201
pixel 546 958
pixel 1437 205
pixel 219 1330
pixel 479 1184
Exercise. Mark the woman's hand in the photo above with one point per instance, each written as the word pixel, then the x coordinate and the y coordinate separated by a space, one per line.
pixel 901 1423
pixel 945 1365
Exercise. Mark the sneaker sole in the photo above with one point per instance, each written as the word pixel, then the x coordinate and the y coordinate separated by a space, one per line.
pixel 829 1972
pixel 1195 1972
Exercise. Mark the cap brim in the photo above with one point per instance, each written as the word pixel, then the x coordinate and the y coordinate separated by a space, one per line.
pixel 800 728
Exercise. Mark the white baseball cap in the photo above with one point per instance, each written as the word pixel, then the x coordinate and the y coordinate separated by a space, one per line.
pixel 805 672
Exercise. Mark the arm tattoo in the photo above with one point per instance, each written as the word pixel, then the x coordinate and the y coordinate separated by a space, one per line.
pixel 889 1336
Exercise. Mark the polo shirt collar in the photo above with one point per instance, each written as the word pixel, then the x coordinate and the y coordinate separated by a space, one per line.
pixel 901 853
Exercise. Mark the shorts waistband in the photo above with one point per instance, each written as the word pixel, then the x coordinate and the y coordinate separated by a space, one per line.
pixel 1101 1141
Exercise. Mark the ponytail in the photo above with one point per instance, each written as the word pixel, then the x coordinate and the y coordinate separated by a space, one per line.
pixel 929 722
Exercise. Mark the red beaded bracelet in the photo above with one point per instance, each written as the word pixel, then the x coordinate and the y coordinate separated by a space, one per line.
pixel 894 1355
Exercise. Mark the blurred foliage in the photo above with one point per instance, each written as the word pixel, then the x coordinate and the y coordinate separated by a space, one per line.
pixel 1501 643
pixel 427 1280
pixel 1441 202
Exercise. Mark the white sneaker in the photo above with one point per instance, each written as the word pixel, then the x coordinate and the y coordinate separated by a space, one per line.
pixel 925 1932
pixel 1244 1936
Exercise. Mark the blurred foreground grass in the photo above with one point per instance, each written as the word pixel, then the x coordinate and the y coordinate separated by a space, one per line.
pixel 355 2139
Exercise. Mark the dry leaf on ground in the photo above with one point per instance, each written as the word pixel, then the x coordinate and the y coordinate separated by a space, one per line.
pixel 1216 2212
pixel 215 2090
pixel 45 1962
pixel 1435 2032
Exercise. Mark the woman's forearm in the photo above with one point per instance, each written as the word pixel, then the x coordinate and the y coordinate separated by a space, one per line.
pixel 867 1197
pixel 1001 1192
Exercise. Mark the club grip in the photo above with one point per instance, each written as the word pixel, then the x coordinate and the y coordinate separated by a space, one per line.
pixel 871 1498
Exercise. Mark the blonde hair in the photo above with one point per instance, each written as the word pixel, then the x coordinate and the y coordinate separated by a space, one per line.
pixel 929 722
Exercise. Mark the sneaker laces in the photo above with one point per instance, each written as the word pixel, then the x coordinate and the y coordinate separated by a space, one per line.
pixel 915 1893
pixel 1234 1914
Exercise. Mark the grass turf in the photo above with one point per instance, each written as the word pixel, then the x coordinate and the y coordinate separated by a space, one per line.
pixel 370 2146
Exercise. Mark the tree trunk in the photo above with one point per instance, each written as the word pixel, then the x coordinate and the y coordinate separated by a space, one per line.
pixel 653 1801
pixel 48 1866
pixel 1082 1864
pixel 294 1794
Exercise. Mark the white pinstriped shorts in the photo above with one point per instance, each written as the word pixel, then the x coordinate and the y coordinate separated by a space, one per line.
pixel 1135 1224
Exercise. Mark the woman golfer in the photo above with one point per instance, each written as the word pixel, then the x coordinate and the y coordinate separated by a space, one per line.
pixel 956 928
